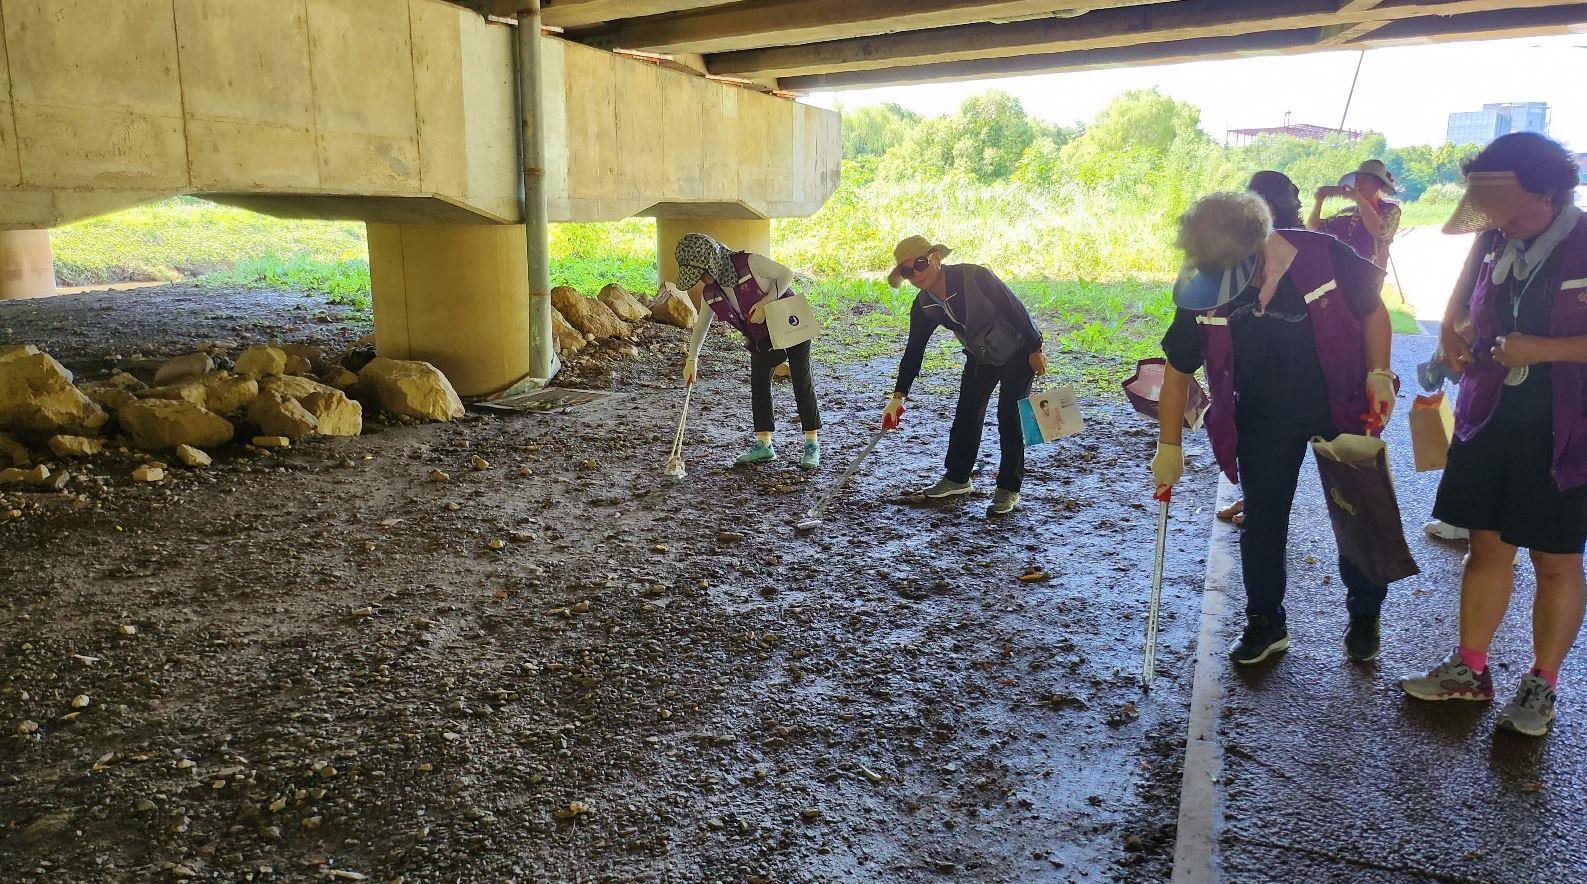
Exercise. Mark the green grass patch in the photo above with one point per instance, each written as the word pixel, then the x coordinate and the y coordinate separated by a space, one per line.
pixel 185 238
pixel 340 282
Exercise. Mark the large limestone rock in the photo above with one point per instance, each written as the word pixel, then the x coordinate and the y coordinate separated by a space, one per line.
pixel 221 392
pixel 672 306
pixel 158 424
pixel 76 446
pixel 191 365
pixel 17 351
pixel 569 339
pixel 260 361
pixel 412 388
pixel 192 457
pixel 108 397
pixel 625 305
pixel 339 377
pixel 37 397
pixel 311 356
pixel 14 451
pixel 291 385
pixel 279 415
pixel 334 413
pixel 587 314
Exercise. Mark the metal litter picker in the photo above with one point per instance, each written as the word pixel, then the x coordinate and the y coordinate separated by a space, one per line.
pixel 1149 661
pixel 675 470
pixel 812 519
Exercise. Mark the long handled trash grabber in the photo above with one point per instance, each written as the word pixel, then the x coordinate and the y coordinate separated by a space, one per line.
pixel 1149 662
pixel 675 460
pixel 812 518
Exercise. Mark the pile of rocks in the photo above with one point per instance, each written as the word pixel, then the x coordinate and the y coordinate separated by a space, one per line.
pixel 272 395
pixel 579 321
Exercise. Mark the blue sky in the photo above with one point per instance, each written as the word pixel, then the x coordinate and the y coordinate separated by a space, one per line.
pixel 1405 92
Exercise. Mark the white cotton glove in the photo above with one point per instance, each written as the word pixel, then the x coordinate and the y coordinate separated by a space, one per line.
pixel 1168 465
pixel 893 413
pixel 757 313
pixel 691 368
pixel 1380 393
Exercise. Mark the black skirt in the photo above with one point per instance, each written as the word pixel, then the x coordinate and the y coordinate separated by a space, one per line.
pixel 1502 480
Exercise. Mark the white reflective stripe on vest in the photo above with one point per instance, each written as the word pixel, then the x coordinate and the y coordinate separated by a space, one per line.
pixel 1323 289
pixel 1570 284
pixel 1212 320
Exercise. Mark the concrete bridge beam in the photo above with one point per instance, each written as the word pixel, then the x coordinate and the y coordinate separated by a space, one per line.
pixel 26 269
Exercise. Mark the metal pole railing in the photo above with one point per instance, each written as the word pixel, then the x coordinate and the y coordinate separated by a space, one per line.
pixel 542 343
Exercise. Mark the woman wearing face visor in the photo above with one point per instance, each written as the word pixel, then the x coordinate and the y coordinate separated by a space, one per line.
pixel 1517 471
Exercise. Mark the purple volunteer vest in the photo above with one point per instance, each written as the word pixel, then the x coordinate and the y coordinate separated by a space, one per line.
pixel 1350 230
pixel 1340 349
pixel 1483 381
pixel 757 336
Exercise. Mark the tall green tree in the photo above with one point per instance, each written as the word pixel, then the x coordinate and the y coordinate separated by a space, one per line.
pixel 874 130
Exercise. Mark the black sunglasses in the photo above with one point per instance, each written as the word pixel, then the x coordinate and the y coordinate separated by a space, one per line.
pixel 908 271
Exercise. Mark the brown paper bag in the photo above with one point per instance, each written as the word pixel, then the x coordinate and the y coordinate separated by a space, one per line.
pixel 1432 426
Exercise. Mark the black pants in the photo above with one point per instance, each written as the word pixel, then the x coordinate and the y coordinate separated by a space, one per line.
pixel 1269 470
pixel 975 391
pixel 760 366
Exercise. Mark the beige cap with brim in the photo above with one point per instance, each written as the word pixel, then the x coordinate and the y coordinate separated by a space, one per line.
pixel 907 251
pixel 1491 198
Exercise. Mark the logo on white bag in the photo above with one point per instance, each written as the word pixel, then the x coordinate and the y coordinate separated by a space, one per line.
pixel 793 320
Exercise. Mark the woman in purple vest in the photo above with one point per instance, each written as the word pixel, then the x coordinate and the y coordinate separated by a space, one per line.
pixel 1283 200
pixel 1517 471
pixel 737 287
pixel 1369 225
pixel 1296 344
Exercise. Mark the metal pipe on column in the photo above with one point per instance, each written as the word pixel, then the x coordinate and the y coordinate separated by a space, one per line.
pixel 543 364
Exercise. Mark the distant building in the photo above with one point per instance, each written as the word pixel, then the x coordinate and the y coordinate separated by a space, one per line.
pixel 1303 131
pixel 1481 127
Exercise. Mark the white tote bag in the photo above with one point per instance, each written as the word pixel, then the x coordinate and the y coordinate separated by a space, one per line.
pixel 791 321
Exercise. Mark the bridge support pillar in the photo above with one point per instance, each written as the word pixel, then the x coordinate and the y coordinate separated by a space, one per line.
pixel 456 296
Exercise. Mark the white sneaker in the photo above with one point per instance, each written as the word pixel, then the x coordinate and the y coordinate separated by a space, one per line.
pixel 1446 531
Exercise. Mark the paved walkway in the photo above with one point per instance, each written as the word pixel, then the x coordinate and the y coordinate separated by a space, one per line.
pixel 1328 773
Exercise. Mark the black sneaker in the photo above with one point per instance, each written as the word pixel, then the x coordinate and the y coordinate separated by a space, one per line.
pixel 1260 640
pixel 1361 639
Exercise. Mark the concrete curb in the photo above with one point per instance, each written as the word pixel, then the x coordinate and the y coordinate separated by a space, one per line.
pixel 1196 859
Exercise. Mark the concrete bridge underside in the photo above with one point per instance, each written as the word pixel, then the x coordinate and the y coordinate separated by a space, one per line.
pixel 400 113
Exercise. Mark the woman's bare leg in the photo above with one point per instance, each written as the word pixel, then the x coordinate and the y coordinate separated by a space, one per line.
pixel 1485 587
pixel 1557 608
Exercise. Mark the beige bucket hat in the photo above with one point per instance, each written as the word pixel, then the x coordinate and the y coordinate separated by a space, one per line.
pixel 910 250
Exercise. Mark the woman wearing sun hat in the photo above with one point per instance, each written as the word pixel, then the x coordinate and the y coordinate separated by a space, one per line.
pixel 1517 471
pixel 1369 225
pixel 1295 340
pixel 1003 349
pixel 750 281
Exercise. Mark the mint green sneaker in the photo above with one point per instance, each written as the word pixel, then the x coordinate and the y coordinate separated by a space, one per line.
pixel 760 452
pixel 812 455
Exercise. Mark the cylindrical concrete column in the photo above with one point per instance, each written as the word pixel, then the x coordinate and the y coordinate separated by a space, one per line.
pixel 455 296
pixel 26 268
pixel 743 234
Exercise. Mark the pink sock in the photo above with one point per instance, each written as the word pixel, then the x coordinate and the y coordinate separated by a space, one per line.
pixel 1477 660
pixel 1551 677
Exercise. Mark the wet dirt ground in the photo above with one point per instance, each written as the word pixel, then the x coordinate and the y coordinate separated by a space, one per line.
pixel 332 675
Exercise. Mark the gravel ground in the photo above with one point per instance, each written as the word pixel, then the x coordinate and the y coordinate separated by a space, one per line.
pixel 314 665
